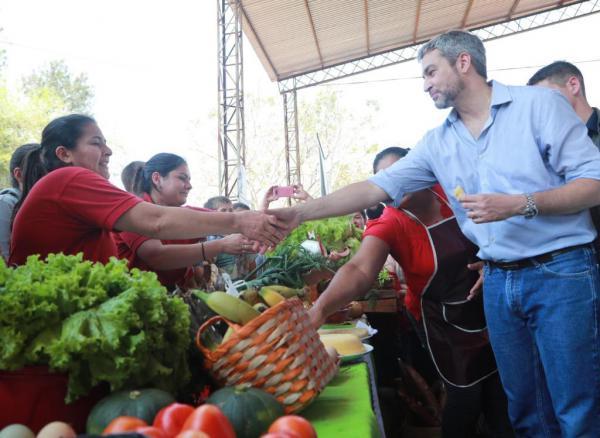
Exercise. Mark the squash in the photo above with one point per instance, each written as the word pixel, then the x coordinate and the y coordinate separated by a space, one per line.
pixel 143 404
pixel 250 410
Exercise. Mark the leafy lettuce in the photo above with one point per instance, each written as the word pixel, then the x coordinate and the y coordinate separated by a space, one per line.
pixel 98 323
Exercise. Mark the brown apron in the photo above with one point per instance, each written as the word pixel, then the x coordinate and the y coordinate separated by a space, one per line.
pixel 455 329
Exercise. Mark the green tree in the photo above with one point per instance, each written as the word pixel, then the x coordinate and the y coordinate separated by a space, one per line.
pixel 25 112
pixel 74 91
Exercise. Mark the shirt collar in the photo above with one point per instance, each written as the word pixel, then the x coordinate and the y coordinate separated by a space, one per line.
pixel 500 96
pixel 592 123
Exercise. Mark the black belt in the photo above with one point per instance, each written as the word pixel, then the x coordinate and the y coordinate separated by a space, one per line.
pixel 532 261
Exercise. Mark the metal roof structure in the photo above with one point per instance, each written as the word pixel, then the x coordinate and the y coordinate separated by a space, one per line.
pixel 294 37
pixel 307 42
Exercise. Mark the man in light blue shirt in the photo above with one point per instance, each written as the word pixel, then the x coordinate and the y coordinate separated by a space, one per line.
pixel 520 172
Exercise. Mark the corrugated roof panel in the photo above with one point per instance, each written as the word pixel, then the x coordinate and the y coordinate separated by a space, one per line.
pixel 389 22
pixel 284 38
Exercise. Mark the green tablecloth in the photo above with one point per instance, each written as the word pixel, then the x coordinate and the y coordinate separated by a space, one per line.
pixel 344 407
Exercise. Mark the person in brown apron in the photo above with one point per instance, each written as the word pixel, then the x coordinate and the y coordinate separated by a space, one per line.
pixel 424 238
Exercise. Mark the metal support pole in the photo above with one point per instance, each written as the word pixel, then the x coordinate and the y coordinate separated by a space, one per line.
pixel 292 143
pixel 232 145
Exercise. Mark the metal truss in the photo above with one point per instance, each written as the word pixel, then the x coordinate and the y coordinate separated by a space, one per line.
pixel 404 54
pixel 232 145
pixel 292 144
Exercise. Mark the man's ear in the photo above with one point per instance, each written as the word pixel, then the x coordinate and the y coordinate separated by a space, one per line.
pixel 463 62
pixel 64 154
pixel 573 85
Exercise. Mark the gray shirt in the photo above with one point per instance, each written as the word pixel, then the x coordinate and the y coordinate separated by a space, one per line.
pixel 8 198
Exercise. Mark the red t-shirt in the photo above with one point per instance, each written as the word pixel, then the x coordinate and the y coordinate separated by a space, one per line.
pixel 128 244
pixel 410 247
pixel 70 210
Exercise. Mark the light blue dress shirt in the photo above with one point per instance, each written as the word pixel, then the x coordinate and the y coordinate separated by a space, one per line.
pixel 533 141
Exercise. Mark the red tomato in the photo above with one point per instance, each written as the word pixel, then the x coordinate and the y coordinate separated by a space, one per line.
pixel 123 424
pixel 286 434
pixel 171 418
pixel 192 434
pixel 294 424
pixel 151 432
pixel 209 419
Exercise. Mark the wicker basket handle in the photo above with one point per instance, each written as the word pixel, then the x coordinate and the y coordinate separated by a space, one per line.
pixel 209 322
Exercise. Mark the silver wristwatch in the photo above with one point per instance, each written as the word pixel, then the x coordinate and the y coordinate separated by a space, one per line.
pixel 530 211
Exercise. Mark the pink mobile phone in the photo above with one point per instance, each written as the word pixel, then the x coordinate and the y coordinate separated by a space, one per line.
pixel 284 191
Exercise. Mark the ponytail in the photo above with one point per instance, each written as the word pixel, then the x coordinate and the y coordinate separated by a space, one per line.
pixel 162 163
pixel 33 169
pixel 138 184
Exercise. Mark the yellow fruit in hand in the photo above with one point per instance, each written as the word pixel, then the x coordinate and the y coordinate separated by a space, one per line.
pixel 458 192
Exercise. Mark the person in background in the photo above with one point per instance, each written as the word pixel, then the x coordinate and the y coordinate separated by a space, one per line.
pixel 523 174
pixel 271 195
pixel 236 266
pixel 219 203
pixel 240 206
pixel 165 180
pixel 422 235
pixel 128 175
pixel 69 206
pixel 10 196
pixel 359 219
pixel 568 80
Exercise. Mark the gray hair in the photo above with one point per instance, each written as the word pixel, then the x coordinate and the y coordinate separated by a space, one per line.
pixel 452 43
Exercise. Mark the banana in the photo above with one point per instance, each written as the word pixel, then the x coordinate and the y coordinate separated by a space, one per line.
pixel 228 333
pixel 270 297
pixel 250 296
pixel 261 307
pixel 228 306
pixel 287 292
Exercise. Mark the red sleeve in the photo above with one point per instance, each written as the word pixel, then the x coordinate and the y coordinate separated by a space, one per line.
pixel 93 199
pixel 128 244
pixel 386 228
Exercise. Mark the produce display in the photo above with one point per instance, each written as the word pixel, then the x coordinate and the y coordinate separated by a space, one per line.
pixel 143 404
pixel 249 410
pixel 344 343
pixel 98 323
pixel 335 233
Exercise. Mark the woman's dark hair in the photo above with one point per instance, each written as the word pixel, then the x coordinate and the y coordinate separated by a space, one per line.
pixel 162 163
pixel 17 159
pixel 393 150
pixel 64 131
pixel 129 175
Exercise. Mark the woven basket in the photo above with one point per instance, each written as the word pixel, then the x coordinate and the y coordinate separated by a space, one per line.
pixel 278 352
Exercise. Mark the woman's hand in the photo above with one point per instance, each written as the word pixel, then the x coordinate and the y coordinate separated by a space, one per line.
pixel 270 196
pixel 300 194
pixel 238 244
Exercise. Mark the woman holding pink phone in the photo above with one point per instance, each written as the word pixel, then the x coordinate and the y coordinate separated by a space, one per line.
pixel 275 192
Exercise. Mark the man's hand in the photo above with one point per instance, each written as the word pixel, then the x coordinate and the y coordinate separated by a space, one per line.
pixel 478 286
pixel 266 229
pixel 491 207
pixel 289 218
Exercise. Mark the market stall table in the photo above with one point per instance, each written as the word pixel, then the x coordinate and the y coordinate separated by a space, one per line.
pixel 348 405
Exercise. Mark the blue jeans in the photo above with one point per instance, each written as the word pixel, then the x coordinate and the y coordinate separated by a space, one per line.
pixel 543 323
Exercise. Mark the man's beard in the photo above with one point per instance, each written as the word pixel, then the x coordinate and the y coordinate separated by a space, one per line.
pixel 447 98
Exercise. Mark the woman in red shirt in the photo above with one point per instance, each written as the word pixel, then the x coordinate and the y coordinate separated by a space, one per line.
pixel 69 206
pixel 423 236
pixel 165 180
